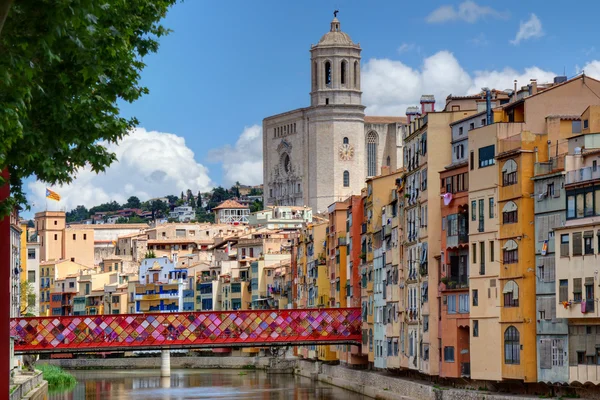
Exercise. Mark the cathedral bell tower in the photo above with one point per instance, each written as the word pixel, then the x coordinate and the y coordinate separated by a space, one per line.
pixel 335 63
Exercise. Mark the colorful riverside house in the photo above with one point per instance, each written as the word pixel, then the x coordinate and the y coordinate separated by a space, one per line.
pixel 516 158
pixel 524 128
pixel 454 289
pixel 550 206
pixel 577 251
pixel 378 196
pixel 352 355
pixel 427 144
pixel 161 287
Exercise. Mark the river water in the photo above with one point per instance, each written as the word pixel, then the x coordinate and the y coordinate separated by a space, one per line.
pixel 198 384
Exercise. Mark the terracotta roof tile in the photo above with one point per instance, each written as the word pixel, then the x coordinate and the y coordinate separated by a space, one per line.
pixel 229 204
pixel 384 120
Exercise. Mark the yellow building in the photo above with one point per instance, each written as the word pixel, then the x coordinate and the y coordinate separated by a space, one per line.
pixel 516 157
pixel 50 271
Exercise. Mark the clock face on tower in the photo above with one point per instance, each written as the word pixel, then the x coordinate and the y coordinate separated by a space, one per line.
pixel 346 152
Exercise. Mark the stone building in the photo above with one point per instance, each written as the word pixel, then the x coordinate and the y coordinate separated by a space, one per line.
pixel 323 153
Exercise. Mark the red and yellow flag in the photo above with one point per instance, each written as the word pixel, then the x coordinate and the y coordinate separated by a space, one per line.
pixel 52 195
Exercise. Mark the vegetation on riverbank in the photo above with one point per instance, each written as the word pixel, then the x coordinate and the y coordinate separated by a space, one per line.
pixel 58 379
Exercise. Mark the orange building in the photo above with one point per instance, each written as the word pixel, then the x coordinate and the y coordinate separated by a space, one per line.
pixel 454 290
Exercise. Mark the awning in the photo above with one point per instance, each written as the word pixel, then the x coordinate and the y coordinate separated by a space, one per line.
pixel 512 287
pixel 510 245
pixel 510 206
pixel 509 166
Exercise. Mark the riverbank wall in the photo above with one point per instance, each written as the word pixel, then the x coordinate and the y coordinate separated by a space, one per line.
pixel 373 384
pixel 29 387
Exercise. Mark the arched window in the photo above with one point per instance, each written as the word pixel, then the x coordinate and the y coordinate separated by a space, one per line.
pixel 315 77
pixel 372 153
pixel 511 294
pixel 327 73
pixel 345 140
pixel 512 346
pixel 510 252
pixel 356 72
pixel 343 72
pixel 509 173
pixel 388 161
pixel 509 213
pixel 346 179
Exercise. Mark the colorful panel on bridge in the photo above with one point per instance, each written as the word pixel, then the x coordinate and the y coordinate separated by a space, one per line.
pixel 185 330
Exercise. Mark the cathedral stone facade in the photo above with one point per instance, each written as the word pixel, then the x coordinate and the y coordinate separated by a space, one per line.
pixel 317 155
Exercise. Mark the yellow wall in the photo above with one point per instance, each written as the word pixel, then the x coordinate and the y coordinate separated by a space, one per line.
pixel 523 272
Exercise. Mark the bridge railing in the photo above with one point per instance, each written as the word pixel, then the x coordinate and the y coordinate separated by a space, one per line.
pixel 90 333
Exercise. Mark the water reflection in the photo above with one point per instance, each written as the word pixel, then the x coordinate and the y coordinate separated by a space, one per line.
pixel 198 384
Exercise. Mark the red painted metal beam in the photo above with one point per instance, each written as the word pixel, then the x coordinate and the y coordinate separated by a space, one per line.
pixel 5 251
pixel 119 332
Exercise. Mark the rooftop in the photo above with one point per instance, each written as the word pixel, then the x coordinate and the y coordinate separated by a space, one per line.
pixel 384 120
pixel 228 204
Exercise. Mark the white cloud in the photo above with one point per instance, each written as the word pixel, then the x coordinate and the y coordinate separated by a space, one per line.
pixel 242 162
pixel 479 40
pixel 390 86
pixel 467 11
pixel 406 47
pixel 532 28
pixel 150 164
pixel 592 69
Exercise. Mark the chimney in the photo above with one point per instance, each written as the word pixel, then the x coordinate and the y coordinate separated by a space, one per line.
pixel 412 113
pixel 427 103
pixel 534 86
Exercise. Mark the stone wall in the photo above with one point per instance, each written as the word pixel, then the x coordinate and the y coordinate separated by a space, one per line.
pixel 31 387
pixel 380 385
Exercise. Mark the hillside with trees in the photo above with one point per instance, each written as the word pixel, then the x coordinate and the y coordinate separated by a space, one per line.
pixel 138 211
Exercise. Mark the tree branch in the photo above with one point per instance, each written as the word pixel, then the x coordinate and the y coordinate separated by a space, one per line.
pixel 4 9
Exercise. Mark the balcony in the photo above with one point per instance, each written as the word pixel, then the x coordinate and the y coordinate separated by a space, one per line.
pixel 543 168
pixel 589 306
pixel 582 175
pixel 456 282
pixel 156 296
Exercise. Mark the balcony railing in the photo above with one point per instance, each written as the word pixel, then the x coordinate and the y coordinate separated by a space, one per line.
pixel 582 175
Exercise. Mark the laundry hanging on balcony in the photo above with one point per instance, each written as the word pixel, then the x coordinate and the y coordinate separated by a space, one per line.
pixel 447 197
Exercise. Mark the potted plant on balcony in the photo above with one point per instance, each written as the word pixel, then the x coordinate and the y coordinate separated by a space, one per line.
pixel 363 256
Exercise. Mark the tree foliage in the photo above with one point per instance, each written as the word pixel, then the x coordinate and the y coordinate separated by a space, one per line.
pixel 79 213
pixel 65 64
pixel 28 298
pixel 133 202
pixel 257 205
pixel 150 254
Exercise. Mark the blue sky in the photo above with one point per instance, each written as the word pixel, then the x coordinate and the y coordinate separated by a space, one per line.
pixel 227 65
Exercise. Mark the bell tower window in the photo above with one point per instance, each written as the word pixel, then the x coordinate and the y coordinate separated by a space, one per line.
pixel 344 67
pixel 346 179
pixel 315 78
pixel 372 153
pixel 327 73
pixel 356 74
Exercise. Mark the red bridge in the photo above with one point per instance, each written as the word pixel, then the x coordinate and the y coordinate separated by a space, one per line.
pixel 128 332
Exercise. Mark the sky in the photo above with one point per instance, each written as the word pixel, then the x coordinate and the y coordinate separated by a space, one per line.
pixel 227 65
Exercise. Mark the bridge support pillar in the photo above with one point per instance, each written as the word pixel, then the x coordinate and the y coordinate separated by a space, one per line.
pixel 165 363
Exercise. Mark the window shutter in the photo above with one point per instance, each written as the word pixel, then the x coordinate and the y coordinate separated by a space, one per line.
pixel 577 244
pixel 545 353
pixel 557 186
pixel 577 285
pixel 563 293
